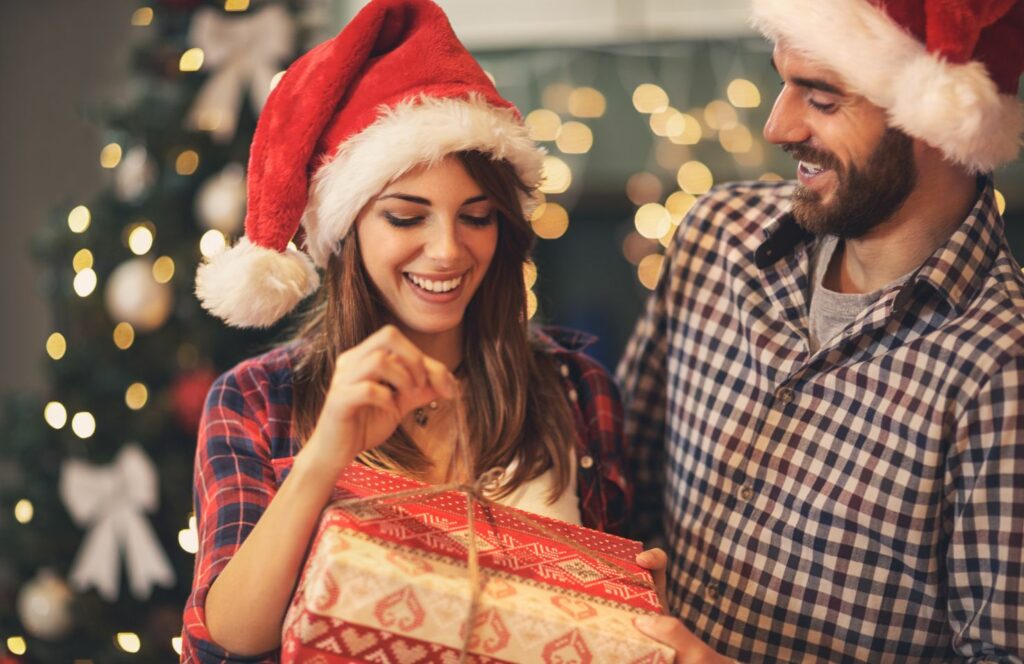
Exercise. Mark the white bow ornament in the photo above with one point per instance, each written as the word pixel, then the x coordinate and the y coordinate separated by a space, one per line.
pixel 238 52
pixel 110 501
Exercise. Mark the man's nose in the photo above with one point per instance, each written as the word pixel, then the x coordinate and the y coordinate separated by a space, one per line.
pixel 786 122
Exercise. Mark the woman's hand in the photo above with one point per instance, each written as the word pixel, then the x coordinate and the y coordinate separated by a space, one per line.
pixel 374 386
pixel 666 629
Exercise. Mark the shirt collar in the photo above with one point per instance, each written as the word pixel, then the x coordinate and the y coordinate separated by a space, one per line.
pixel 956 269
pixel 561 341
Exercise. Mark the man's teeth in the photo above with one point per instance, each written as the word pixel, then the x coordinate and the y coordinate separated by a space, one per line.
pixel 811 169
pixel 435 286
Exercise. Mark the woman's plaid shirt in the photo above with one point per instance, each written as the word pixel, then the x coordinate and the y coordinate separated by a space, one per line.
pixel 864 503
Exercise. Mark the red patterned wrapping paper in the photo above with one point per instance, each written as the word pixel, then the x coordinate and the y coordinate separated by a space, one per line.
pixel 390 584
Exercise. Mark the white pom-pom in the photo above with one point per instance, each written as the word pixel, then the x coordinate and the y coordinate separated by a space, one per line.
pixel 252 286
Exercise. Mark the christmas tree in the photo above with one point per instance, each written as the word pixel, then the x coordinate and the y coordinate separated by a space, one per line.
pixel 95 474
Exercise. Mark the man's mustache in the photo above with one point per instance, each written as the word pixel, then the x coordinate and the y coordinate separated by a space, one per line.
pixel 803 152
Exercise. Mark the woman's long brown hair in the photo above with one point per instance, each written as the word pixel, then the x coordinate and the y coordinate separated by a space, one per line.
pixel 514 403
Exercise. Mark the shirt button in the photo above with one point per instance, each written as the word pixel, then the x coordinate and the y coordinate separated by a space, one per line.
pixel 564 370
pixel 784 395
pixel 712 591
pixel 573 396
pixel 747 492
pixel 587 461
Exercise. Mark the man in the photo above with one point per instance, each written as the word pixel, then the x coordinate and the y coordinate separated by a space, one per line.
pixel 826 392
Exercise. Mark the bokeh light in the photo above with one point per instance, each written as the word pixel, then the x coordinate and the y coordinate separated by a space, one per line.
pixel 55 414
pixel 124 335
pixel 550 221
pixel 649 269
pixel 191 60
pixel 543 124
pixel 56 346
pixel 79 219
pixel 163 269
pixel 695 178
pixel 743 94
pixel 136 396
pixel 85 282
pixel 83 424
pixel 644 187
pixel 575 138
pixel 652 221
pixel 556 177
pixel 587 103
pixel 650 98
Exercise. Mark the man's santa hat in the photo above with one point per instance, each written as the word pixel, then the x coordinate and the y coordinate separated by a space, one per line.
pixel 393 90
pixel 946 71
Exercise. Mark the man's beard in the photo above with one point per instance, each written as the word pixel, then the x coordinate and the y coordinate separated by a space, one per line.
pixel 863 198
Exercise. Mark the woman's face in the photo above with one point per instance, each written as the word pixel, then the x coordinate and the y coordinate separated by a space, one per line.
pixel 426 242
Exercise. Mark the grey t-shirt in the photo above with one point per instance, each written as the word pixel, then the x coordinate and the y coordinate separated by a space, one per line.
pixel 832 312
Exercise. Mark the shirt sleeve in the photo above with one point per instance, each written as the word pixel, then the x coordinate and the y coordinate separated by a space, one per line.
pixel 985 560
pixel 234 483
pixel 641 375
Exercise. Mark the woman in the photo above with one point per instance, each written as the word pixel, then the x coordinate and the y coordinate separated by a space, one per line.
pixel 415 211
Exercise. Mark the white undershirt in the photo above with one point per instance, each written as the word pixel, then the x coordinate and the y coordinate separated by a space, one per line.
pixel 532 496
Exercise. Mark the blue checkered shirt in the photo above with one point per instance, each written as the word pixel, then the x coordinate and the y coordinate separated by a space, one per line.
pixel 863 503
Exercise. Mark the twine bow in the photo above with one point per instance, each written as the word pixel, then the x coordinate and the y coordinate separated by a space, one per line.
pixel 476 492
pixel 240 52
pixel 111 501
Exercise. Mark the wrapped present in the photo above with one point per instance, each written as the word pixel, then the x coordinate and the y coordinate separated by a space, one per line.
pixel 430 575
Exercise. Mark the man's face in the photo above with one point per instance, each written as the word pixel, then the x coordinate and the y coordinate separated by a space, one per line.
pixel 854 171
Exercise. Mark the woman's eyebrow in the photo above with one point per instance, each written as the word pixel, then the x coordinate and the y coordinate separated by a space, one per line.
pixel 406 197
pixel 474 199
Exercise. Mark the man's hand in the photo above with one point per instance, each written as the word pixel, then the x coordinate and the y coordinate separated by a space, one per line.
pixel 666 629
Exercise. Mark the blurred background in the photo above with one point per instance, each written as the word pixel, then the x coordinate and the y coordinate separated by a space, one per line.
pixel 125 128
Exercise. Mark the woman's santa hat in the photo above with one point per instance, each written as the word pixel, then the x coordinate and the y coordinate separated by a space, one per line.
pixel 393 90
pixel 946 71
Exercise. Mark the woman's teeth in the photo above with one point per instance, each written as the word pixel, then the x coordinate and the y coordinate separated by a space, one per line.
pixel 435 286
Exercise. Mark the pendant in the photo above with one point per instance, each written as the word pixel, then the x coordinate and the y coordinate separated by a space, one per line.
pixel 420 414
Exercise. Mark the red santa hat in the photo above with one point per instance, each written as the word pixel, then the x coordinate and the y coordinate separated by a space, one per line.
pixel 946 71
pixel 393 90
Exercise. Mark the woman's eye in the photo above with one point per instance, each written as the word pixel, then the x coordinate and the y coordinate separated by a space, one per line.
pixel 478 221
pixel 402 222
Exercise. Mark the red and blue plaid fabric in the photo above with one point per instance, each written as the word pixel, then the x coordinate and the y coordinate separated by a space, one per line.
pixel 247 424
pixel 864 503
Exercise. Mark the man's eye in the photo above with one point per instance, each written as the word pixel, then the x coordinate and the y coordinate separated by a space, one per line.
pixel 819 106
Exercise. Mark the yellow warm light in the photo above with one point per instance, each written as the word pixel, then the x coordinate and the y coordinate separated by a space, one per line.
pixel 83 424
pixel 550 221
pixel 79 219
pixel 110 155
pixel 188 540
pixel 124 336
pixel 1000 202
pixel 85 282
pixel 142 16
pixel 531 304
pixel 56 346
pixel 236 5
pixel 587 103
pixel 678 205
pixel 212 243
pixel 176 644
pixel 55 414
pixel 191 60
pixel 684 129
pixel 754 157
pixel 649 269
pixel 736 139
pixel 575 138
pixel 695 178
pixel 529 273
pixel 719 115
pixel 16 645
pixel 669 155
pixel 556 97
pixel 652 221
pixel 129 642
pixel 24 511
pixel 140 239
pixel 277 79
pixel 643 188
pixel 743 94
pixel 136 395
pixel 771 177
pixel 543 124
pixel 650 98
pixel 660 121
pixel 187 162
pixel 163 269
pixel 635 247
pixel 82 260
pixel 556 177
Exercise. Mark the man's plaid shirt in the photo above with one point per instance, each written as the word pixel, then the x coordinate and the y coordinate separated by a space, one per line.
pixel 864 503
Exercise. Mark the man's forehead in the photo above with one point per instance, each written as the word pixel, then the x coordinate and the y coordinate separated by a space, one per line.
pixel 799 67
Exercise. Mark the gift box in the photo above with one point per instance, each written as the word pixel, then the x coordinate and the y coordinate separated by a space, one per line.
pixel 392 582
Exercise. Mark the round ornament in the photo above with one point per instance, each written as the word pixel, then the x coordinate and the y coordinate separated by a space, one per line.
pixel 132 295
pixel 188 396
pixel 44 606
pixel 220 203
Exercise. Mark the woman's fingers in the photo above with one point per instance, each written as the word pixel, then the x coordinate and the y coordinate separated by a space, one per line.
pixel 655 561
